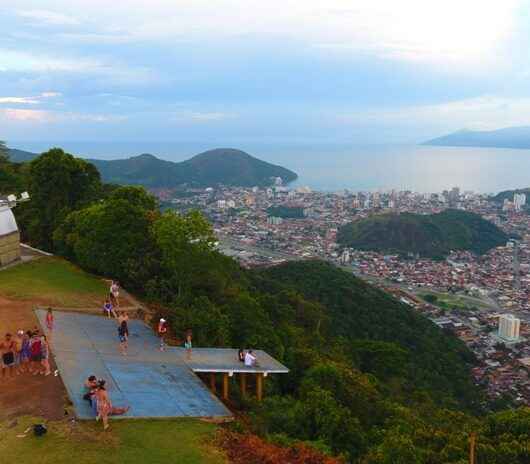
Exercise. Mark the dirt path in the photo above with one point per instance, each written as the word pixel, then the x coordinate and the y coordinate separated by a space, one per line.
pixel 26 394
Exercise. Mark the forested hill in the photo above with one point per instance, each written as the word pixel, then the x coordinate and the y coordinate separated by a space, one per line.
pixel 221 166
pixel 384 337
pixel 432 236
pixel 226 166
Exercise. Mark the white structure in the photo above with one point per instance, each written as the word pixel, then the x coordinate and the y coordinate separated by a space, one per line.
pixel 9 235
pixel 274 221
pixel 221 204
pixel 509 327
pixel 519 200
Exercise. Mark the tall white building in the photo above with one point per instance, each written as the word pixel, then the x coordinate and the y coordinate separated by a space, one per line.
pixel 519 200
pixel 509 327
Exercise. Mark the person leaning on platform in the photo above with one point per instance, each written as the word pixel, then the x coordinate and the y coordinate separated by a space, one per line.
pixel 250 359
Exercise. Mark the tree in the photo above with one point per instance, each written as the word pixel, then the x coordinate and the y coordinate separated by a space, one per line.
pixel 135 195
pixel 112 239
pixel 4 153
pixel 185 243
pixel 58 185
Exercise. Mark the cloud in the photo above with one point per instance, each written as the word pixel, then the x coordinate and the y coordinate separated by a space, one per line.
pixel 35 100
pixel 401 30
pixel 50 117
pixel 19 100
pixel 202 117
pixel 47 17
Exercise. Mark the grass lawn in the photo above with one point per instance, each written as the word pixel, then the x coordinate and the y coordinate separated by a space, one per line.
pixel 53 280
pixel 186 441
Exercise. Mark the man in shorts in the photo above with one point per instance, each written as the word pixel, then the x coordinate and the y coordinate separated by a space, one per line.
pixel 7 348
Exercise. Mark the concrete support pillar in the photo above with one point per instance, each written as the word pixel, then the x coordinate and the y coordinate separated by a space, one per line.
pixel 225 386
pixel 243 383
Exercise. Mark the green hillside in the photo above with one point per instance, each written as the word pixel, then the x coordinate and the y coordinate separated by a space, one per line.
pixel 432 236
pixel 221 166
pixel 384 337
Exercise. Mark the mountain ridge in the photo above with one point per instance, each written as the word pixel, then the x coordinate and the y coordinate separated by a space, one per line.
pixel 219 166
pixel 508 137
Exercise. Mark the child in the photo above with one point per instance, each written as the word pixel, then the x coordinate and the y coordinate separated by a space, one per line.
pixel 50 320
pixel 187 343
pixel 162 330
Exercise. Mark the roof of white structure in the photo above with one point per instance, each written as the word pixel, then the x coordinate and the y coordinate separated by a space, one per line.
pixel 8 225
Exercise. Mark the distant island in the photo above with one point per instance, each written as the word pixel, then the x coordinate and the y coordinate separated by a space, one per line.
pixel 430 236
pixel 509 137
pixel 222 166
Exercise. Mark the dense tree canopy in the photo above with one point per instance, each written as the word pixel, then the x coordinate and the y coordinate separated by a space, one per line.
pixel 58 184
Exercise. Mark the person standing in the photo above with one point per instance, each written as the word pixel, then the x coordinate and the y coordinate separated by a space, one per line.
pixel 50 322
pixel 103 404
pixel 19 340
pixel 188 343
pixel 45 355
pixel 162 330
pixel 7 348
pixel 123 335
pixel 35 347
pixel 115 293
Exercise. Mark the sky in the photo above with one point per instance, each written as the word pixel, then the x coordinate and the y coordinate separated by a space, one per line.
pixel 275 71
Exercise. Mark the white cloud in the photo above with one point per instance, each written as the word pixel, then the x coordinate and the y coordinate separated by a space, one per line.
pixel 19 100
pixel 50 117
pixel 452 30
pixel 48 17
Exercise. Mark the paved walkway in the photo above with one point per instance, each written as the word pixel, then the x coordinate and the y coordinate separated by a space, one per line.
pixel 155 384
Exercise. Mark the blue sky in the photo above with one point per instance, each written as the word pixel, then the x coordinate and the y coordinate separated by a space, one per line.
pixel 283 71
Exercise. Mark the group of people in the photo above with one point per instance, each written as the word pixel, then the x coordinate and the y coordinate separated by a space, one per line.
pixel 28 351
pixel 96 394
pixel 162 330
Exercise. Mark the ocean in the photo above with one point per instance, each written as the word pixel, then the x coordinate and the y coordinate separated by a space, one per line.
pixel 357 168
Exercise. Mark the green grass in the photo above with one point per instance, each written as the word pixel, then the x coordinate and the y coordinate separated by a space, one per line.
pixel 53 280
pixel 186 441
pixel 448 301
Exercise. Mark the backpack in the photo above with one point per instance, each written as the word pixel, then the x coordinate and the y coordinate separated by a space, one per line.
pixel 36 347
pixel 39 430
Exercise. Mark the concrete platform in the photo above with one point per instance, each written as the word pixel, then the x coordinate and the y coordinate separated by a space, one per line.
pixel 154 384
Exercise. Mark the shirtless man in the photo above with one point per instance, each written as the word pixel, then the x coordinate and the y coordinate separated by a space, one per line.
pixel 7 349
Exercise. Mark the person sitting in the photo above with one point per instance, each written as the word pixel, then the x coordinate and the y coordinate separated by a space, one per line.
pixel 241 355
pixel 90 386
pixel 108 309
pixel 250 359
